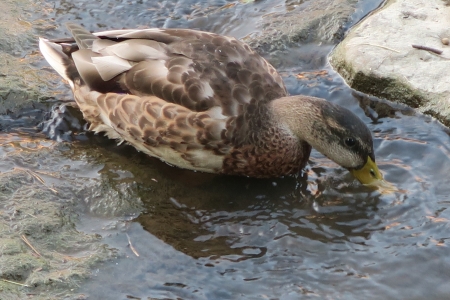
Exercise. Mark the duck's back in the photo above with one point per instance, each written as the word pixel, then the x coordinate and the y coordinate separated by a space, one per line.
pixel 195 69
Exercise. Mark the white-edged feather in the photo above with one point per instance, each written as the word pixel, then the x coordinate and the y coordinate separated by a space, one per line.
pixel 136 52
pixel 55 57
pixel 110 66
pixel 99 46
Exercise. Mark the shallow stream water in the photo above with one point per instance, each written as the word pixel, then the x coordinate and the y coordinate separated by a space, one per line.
pixel 318 235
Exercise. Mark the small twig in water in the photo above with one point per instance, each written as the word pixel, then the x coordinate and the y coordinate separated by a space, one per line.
pixel 17 283
pixel 39 178
pixel 25 240
pixel 131 246
pixel 437 51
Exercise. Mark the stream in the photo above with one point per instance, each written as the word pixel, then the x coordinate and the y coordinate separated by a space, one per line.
pixel 318 235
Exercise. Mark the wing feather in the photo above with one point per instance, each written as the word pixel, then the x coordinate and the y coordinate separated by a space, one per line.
pixel 109 67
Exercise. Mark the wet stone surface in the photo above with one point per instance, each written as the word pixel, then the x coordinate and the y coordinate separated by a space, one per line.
pixel 377 56
pixel 80 199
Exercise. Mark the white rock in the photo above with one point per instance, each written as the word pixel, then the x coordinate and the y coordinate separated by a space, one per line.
pixel 377 56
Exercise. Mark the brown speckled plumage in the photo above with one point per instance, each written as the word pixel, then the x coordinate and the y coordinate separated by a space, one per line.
pixel 194 99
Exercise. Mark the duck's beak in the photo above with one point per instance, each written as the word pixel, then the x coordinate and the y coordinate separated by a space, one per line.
pixel 370 175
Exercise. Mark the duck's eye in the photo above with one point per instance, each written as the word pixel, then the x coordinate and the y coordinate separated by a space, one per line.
pixel 372 173
pixel 350 142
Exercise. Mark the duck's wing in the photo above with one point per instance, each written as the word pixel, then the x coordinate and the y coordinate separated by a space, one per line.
pixel 195 69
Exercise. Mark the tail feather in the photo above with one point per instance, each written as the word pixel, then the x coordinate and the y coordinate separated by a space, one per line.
pixel 78 64
pixel 55 56
pixel 82 36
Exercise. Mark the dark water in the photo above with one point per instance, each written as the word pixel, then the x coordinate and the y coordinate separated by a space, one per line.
pixel 319 235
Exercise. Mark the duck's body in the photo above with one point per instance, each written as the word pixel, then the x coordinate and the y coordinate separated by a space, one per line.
pixel 201 101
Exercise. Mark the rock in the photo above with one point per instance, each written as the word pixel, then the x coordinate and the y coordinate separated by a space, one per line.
pixel 377 56
pixel 21 82
pixel 323 21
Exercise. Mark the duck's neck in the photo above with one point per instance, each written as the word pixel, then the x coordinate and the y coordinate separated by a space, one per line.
pixel 301 116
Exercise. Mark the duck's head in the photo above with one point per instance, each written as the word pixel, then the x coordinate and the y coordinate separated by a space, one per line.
pixel 334 131
pixel 346 140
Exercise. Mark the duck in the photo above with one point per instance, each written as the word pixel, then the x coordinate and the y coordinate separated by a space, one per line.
pixel 205 102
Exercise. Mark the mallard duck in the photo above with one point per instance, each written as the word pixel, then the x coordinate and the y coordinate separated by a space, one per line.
pixel 204 102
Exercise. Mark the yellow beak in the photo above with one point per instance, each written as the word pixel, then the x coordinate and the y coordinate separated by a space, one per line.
pixel 369 174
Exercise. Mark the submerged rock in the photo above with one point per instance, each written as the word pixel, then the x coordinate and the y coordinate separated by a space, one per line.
pixel 322 21
pixel 20 81
pixel 41 251
pixel 377 56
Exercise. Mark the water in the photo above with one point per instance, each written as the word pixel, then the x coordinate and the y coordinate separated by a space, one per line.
pixel 319 235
